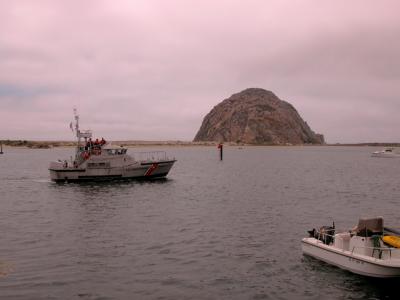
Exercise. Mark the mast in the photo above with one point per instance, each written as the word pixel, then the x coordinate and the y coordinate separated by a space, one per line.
pixel 76 116
pixel 80 134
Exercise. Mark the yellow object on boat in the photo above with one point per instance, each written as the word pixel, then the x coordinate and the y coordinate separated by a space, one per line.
pixel 392 240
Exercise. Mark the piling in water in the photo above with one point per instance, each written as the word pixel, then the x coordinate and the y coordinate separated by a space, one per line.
pixel 221 150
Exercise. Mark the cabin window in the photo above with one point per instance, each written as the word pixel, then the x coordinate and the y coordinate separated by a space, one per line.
pixel 116 151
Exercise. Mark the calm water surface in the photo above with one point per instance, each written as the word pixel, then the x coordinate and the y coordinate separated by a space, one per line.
pixel 212 230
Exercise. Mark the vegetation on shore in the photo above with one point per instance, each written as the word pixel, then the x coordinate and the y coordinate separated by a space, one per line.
pixel 53 144
pixel 36 144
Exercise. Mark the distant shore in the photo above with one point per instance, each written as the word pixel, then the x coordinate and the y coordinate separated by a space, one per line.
pixel 53 144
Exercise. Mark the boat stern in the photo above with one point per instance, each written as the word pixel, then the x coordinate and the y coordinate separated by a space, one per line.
pixel 62 171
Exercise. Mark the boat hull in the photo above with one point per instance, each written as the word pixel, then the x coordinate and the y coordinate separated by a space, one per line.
pixel 139 171
pixel 385 154
pixel 359 264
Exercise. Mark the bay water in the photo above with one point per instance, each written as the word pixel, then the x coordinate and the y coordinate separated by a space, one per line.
pixel 213 229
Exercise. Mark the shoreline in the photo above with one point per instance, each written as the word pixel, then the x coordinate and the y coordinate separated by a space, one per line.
pixel 31 144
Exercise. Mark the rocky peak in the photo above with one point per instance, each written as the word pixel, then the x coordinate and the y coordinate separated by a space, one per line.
pixel 256 116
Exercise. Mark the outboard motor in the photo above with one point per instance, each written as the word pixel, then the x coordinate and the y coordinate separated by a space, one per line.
pixel 324 234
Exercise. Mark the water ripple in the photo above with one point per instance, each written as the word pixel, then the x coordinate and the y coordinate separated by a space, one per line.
pixel 213 230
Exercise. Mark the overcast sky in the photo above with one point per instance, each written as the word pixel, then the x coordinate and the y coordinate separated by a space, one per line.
pixel 151 70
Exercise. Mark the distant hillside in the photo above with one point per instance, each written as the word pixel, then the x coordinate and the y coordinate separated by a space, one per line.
pixel 256 116
pixel 36 144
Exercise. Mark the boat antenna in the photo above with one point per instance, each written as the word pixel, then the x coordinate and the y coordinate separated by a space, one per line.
pixel 76 117
pixel 78 135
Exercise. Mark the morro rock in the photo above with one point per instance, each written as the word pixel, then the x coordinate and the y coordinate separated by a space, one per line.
pixel 256 116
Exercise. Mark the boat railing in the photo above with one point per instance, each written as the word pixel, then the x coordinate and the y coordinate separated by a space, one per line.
pixel 379 249
pixel 321 234
pixel 150 156
pixel 322 237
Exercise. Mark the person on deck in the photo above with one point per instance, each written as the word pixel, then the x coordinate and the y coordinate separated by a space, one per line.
pixel 87 145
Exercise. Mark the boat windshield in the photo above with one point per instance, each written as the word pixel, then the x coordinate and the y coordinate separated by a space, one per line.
pixel 116 151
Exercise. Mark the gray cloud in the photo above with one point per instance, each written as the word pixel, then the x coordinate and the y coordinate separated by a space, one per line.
pixel 153 69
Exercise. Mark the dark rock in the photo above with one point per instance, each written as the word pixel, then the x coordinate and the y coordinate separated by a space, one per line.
pixel 256 116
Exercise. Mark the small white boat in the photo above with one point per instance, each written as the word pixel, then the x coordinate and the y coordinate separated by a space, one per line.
pixel 361 250
pixel 388 152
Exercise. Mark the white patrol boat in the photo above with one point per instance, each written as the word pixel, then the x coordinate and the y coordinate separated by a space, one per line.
pixel 102 161
pixel 368 249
